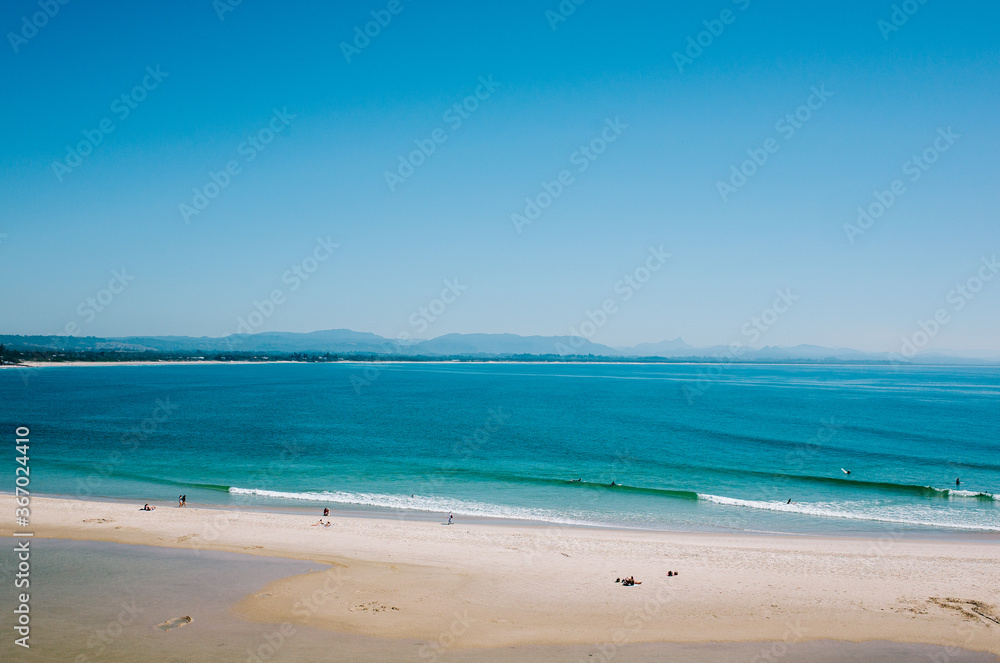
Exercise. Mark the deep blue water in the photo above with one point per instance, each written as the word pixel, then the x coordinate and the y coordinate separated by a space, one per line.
pixel 690 447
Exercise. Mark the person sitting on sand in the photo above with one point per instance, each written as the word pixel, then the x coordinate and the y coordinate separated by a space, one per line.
pixel 147 508
pixel 451 518
pixel 670 574
pixel 326 512
pixel 327 524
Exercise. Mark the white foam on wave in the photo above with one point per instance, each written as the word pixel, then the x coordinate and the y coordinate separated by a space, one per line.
pixel 424 503
pixel 903 515
pixel 968 493
pixel 866 511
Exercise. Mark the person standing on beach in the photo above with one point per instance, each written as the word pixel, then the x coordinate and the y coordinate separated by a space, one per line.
pixel 451 518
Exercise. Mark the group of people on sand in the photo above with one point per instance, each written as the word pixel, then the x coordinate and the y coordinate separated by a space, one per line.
pixel 631 581
pixel 181 502
pixel 326 512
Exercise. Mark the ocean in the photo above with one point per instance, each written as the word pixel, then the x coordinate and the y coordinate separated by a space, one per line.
pixel 680 447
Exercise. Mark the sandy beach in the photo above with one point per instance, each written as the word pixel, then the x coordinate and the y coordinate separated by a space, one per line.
pixel 483 585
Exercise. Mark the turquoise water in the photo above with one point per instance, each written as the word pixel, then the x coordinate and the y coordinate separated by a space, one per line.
pixel 690 447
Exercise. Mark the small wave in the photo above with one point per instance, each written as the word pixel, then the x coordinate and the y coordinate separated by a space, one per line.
pixel 508 477
pixel 951 492
pixel 845 511
pixel 425 504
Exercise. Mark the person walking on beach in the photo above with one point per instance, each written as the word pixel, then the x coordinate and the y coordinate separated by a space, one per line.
pixel 184 500
pixel 180 501
pixel 451 518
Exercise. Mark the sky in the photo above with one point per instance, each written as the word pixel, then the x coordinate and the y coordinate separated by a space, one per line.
pixel 629 172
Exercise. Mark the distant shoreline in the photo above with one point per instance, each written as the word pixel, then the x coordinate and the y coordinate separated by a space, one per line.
pixel 686 362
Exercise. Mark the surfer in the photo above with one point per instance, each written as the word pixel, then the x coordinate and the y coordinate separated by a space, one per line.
pixel 845 471
pixel 576 480
pixel 613 483
pixel 789 501
pixel 958 482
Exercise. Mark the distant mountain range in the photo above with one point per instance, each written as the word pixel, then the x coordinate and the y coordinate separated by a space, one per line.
pixel 477 346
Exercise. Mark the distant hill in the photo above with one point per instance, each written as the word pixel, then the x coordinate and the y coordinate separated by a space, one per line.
pixel 674 348
pixel 510 344
pixel 477 346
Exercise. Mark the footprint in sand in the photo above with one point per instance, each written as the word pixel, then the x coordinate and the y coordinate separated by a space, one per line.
pixel 176 622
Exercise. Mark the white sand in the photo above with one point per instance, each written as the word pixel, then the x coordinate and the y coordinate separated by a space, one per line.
pixel 495 585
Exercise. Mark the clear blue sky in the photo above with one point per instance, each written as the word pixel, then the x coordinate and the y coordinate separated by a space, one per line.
pixel 324 173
